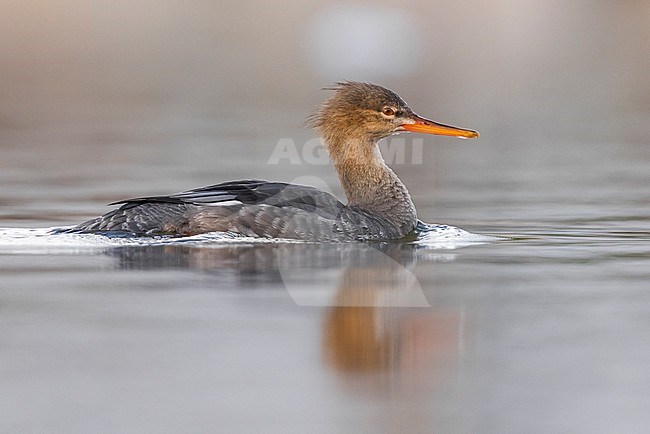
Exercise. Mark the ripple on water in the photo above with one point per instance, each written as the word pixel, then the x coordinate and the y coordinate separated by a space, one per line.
pixel 43 240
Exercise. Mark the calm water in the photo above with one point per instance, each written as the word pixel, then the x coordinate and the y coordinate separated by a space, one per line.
pixel 549 332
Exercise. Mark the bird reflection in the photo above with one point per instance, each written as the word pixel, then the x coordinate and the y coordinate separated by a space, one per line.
pixel 380 331
pixel 376 340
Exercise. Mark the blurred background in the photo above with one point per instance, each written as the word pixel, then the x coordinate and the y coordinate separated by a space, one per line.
pixel 575 68
pixel 165 94
pixel 524 67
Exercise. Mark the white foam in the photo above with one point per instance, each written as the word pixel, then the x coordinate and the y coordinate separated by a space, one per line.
pixel 450 237
pixel 45 240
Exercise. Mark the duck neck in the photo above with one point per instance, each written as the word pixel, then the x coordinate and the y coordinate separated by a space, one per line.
pixel 369 184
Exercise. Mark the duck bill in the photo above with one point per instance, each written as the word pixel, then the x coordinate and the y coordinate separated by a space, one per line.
pixel 422 125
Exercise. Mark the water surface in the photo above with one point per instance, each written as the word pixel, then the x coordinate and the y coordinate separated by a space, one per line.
pixel 548 331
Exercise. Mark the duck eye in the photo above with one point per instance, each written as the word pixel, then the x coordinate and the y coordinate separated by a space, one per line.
pixel 388 112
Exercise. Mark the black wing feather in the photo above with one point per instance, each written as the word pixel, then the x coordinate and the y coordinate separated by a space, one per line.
pixel 250 192
pixel 243 191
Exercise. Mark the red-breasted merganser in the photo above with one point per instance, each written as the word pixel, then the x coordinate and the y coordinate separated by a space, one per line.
pixel 351 122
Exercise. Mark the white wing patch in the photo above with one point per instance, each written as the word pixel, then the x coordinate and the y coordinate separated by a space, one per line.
pixel 224 203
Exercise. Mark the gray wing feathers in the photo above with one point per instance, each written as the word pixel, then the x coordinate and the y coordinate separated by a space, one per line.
pixel 251 208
